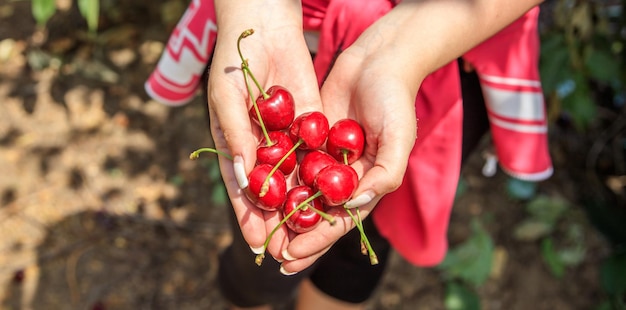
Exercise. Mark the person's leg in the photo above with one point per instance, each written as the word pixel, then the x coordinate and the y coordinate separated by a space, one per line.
pixel 344 278
pixel 245 284
pixel 475 120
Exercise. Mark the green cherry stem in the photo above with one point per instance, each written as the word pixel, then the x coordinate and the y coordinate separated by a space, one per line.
pixel 358 221
pixel 329 218
pixel 302 206
pixel 268 141
pixel 364 240
pixel 244 62
pixel 259 258
pixel 265 187
pixel 195 154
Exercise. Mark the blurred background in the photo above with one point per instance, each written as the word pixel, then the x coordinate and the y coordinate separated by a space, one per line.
pixel 101 208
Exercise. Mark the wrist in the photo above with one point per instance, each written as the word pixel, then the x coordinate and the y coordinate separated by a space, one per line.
pixel 234 16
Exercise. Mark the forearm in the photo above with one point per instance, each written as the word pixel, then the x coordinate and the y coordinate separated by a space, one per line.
pixel 427 34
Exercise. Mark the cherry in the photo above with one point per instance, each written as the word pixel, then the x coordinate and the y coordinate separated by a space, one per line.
pixel 275 191
pixel 336 183
pixel 309 130
pixel 304 218
pixel 306 206
pixel 346 140
pixel 276 107
pixel 311 164
pixel 273 109
pixel 274 153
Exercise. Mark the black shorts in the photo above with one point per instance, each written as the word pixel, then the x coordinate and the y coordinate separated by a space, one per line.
pixel 343 272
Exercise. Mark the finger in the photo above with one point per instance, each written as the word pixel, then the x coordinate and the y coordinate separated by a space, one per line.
pixel 233 134
pixel 306 248
pixel 386 153
pixel 279 239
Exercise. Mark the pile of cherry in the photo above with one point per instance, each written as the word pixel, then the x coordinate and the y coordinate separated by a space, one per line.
pixel 305 145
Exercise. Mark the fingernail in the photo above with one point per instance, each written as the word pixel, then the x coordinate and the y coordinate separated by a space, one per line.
pixel 258 250
pixel 240 172
pixel 360 200
pixel 285 272
pixel 287 256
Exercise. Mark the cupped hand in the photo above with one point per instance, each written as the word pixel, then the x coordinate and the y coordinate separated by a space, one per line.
pixel 362 88
pixel 277 55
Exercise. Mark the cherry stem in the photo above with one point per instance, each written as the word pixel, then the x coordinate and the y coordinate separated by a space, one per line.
pixel 266 184
pixel 244 62
pixel 195 154
pixel 344 153
pixel 358 221
pixel 364 240
pixel 259 258
pixel 321 213
pixel 268 141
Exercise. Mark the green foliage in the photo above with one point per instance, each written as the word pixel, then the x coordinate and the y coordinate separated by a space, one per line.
pixel 218 194
pixel 90 9
pixel 558 259
pixel 459 297
pixel 544 212
pixel 43 10
pixel 613 279
pixel 582 48
pixel 471 260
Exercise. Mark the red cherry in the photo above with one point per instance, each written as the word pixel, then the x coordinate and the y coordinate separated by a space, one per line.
pixel 305 219
pixel 274 198
pixel 277 108
pixel 336 183
pixel 310 130
pixel 311 164
pixel 346 140
pixel 272 154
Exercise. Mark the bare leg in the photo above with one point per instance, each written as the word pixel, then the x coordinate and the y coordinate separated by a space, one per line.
pixel 310 298
pixel 253 308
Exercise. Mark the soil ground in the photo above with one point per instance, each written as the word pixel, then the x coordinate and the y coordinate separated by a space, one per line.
pixel 102 209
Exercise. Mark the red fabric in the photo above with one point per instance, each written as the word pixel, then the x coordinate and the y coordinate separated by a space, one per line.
pixel 514 97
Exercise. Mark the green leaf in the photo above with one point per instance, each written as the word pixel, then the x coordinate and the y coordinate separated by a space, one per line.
pixel 547 209
pixel 532 229
pixel 612 274
pixel 461 188
pixel 42 10
pixel 602 65
pixel 554 67
pixel 580 104
pixel 90 9
pixel 551 258
pixel 471 260
pixel 459 297
pixel 219 195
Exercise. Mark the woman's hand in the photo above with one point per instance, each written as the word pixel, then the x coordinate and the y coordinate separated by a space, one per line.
pixel 375 81
pixel 363 89
pixel 277 55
